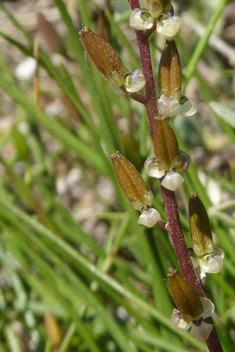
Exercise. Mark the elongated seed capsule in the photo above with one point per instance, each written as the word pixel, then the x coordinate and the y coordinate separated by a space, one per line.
pixel 186 298
pixel 200 226
pixel 170 74
pixel 131 182
pixel 166 146
pixel 104 57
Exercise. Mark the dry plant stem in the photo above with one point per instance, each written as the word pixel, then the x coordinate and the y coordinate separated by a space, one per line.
pixel 174 226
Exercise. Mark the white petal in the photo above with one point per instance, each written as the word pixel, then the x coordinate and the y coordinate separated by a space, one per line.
pixel 208 307
pixel 188 107
pixel 214 265
pixel 141 19
pixel 168 106
pixel 172 181
pixel 152 169
pixel 178 322
pixel 202 331
pixel 149 217
pixel 168 25
pixel 134 81
pixel 212 262
pixel 219 251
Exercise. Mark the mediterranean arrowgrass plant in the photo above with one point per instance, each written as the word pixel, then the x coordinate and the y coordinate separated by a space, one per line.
pixel 167 164
pixel 87 265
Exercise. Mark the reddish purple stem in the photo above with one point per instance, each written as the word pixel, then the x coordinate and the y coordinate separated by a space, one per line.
pixel 177 236
pixel 175 227
pixel 151 98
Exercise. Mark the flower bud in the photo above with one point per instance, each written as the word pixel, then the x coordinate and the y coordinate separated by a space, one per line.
pixel 134 81
pixel 149 217
pixel 166 146
pixel 200 226
pixel 172 180
pixel 186 298
pixel 131 182
pixel 168 25
pixel 141 19
pixel 170 75
pixel 188 107
pixel 157 7
pixel 168 106
pixel 104 57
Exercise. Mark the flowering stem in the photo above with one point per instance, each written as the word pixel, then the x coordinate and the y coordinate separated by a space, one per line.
pixel 174 224
pixel 151 98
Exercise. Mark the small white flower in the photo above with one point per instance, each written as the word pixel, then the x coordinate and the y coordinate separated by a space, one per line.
pixel 141 19
pixel 149 217
pixel 152 168
pixel 198 328
pixel 172 180
pixel 168 25
pixel 168 106
pixel 134 81
pixel 188 107
pixel 209 262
